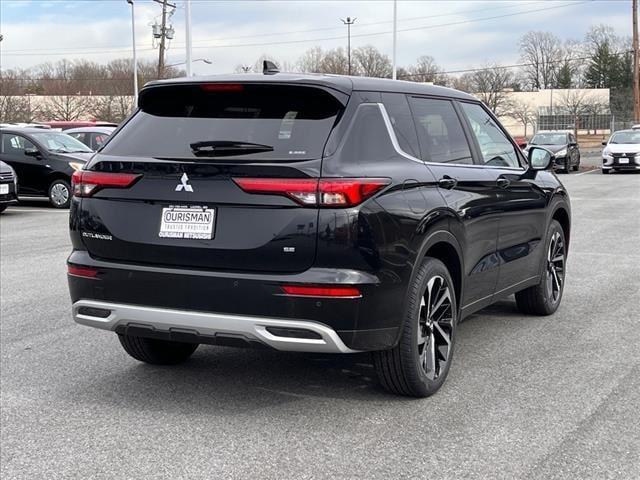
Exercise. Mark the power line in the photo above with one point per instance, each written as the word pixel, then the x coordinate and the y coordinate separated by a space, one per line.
pixel 342 37
pixel 293 32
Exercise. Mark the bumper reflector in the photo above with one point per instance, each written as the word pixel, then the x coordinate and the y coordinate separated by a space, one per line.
pixel 321 291
pixel 84 272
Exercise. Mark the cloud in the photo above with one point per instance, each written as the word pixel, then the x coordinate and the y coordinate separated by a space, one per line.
pixel 458 34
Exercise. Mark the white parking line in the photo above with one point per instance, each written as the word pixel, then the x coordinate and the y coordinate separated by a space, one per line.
pixel 36 210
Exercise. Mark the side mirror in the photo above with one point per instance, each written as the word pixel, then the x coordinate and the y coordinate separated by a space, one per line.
pixel 573 144
pixel 522 145
pixel 32 152
pixel 540 158
pixel 604 143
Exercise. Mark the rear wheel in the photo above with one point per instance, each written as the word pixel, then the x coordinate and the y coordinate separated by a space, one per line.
pixel 60 194
pixel 605 171
pixel 157 352
pixel 544 298
pixel 419 364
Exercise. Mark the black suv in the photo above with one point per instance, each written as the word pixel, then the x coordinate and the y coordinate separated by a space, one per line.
pixel 44 161
pixel 564 147
pixel 312 213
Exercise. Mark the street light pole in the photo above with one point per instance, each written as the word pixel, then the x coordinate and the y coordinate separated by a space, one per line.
pixel 348 22
pixel 187 20
pixel 135 58
pixel 395 35
pixel 636 64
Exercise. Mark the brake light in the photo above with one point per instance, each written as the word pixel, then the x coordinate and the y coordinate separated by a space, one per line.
pixel 86 183
pixel 321 291
pixel 324 192
pixel 222 87
pixel 84 272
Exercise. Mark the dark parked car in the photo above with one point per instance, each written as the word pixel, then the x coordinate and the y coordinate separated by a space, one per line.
pixel 92 137
pixel 563 145
pixel 312 213
pixel 44 161
pixel 8 186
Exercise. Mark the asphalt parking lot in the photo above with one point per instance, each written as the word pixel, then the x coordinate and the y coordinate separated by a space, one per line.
pixel 527 397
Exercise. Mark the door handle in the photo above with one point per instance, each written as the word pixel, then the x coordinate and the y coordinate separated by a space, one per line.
pixel 447 182
pixel 503 182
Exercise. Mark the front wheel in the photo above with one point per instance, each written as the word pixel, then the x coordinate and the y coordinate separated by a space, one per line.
pixel 419 364
pixel 156 352
pixel 605 171
pixel 60 194
pixel 576 167
pixel 544 298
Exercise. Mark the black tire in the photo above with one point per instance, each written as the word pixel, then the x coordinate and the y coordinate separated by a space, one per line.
pixel 576 167
pixel 605 171
pixel 404 370
pixel 156 352
pixel 544 298
pixel 2 208
pixel 56 194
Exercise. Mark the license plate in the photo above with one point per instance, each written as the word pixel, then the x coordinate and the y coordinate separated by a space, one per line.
pixel 623 160
pixel 187 222
pixel 4 189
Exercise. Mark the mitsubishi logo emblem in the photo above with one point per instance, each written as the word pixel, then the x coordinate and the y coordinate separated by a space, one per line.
pixel 184 185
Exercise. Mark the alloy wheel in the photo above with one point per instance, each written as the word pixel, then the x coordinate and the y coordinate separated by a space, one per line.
pixel 435 327
pixel 555 267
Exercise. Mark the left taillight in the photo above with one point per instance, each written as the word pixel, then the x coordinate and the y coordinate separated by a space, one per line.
pixel 82 271
pixel 86 183
pixel 313 192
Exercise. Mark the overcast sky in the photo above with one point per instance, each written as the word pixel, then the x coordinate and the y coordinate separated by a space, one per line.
pixel 458 34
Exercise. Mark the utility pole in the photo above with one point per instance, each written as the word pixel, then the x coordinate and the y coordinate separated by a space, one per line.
pixel 636 64
pixel 162 39
pixel 395 35
pixel 187 21
pixel 162 32
pixel 348 22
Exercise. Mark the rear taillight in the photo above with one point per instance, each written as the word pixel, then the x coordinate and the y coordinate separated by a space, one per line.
pixel 86 183
pixel 324 192
pixel 333 291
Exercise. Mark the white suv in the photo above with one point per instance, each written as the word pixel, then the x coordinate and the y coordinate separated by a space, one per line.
pixel 622 151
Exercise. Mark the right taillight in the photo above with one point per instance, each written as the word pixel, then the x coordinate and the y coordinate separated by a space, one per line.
pixel 324 192
pixel 86 183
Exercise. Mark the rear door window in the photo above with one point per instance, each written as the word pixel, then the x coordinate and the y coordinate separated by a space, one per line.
pixel 399 113
pixel 442 138
pixel 231 121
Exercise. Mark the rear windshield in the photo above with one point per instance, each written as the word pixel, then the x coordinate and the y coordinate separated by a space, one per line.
pixel 549 139
pixel 229 121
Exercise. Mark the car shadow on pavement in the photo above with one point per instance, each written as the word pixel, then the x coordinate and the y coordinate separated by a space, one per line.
pixel 237 380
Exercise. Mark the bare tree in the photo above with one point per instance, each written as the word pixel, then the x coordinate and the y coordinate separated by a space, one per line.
pixel 492 85
pixel 311 60
pixel 66 107
pixel 425 70
pixel 15 108
pixel 111 108
pixel 542 52
pixel 335 61
pixel 592 108
pixel 464 82
pixel 371 63
pixel 572 103
pixel 523 113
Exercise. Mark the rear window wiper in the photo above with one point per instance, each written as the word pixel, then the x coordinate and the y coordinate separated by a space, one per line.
pixel 226 148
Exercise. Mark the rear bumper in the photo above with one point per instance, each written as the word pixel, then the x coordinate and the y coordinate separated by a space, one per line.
pixel 212 302
pixel 213 328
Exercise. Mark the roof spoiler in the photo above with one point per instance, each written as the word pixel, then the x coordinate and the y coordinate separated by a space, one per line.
pixel 269 68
